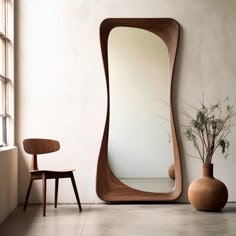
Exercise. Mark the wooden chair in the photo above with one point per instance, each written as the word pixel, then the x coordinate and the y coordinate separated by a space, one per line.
pixel 44 146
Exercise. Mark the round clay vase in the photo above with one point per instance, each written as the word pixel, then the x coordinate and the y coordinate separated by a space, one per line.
pixel 171 171
pixel 208 193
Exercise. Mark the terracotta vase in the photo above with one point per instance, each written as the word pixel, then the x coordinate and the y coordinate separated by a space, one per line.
pixel 208 193
pixel 171 171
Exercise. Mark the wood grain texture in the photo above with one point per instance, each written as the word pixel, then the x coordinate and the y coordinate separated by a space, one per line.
pixel 109 188
pixel 36 146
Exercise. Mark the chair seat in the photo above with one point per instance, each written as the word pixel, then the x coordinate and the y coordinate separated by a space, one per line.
pixel 52 171
pixel 51 174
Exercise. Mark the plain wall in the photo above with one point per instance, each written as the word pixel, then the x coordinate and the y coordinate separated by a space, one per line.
pixel 8 181
pixel 60 90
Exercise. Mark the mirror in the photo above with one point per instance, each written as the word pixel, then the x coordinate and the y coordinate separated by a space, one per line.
pixel 130 134
pixel 139 143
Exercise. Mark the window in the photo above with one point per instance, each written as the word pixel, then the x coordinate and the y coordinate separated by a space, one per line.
pixel 6 71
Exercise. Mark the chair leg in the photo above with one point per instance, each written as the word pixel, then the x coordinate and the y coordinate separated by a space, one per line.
pixel 28 193
pixel 56 191
pixel 76 191
pixel 44 188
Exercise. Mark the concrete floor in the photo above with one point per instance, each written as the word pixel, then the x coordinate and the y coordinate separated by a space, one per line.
pixel 120 220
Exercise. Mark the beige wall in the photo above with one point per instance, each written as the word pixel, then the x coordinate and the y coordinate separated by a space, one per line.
pixel 8 181
pixel 61 85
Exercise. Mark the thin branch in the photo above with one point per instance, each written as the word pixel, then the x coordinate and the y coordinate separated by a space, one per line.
pixel 192 156
pixel 192 106
pixel 210 127
pixel 199 152
pixel 163 118
pixel 187 115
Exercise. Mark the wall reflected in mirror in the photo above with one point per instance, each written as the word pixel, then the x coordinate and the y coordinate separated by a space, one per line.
pixel 140 150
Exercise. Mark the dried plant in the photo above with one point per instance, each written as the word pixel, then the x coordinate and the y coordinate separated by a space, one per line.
pixel 209 128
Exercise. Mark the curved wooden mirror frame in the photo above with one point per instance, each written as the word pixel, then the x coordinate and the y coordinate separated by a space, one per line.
pixel 109 188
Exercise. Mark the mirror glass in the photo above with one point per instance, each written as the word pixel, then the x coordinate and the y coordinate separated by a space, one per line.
pixel 140 151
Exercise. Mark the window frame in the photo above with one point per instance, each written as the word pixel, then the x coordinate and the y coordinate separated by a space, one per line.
pixel 7 71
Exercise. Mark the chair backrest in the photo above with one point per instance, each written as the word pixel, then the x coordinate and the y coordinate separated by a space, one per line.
pixel 36 146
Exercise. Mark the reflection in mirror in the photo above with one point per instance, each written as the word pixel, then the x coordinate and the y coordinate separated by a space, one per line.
pixel 140 151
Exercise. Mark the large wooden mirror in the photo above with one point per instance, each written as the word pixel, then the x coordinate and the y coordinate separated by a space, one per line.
pixel 139 143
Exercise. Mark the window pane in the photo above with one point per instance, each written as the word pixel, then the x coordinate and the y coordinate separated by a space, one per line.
pixel 2 16
pixel 2 120
pixel 9 61
pixel 10 17
pixel 2 57
pixel 2 97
